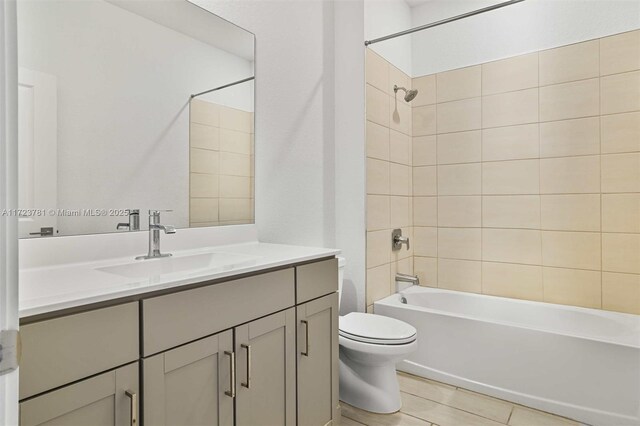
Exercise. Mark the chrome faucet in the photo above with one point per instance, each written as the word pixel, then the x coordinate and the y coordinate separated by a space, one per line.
pixel 406 278
pixel 134 221
pixel 154 235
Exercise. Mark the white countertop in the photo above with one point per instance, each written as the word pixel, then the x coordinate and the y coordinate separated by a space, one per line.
pixel 53 288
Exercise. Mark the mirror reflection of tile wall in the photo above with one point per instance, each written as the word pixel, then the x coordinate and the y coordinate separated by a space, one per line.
pixel 221 184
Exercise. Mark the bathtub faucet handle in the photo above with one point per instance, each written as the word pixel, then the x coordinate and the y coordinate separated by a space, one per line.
pixel 397 240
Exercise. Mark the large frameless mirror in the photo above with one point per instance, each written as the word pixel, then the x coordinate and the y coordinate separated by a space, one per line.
pixel 127 106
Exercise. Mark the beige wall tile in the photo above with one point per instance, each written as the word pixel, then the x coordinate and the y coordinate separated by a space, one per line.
pixel 235 141
pixel 204 161
pixel 377 71
pixel 378 212
pixel 459 84
pixel 577 175
pixel 580 250
pixel 621 253
pixel 400 115
pixel 377 106
pixel 204 113
pixel 235 186
pixel 511 143
pixel 511 211
pixel 426 87
pixel 511 108
pixel 378 248
pixel 621 292
pixel 511 245
pixel 203 210
pixel 572 287
pixel 377 141
pixel 460 212
pixel 399 179
pixel 425 211
pixel 459 243
pixel 235 209
pixel 620 93
pixel 620 132
pixel 203 185
pixel 424 151
pixel 463 147
pixel 571 212
pixel 425 181
pixel 461 275
pixel 621 213
pixel 378 285
pixel 400 148
pixel 399 78
pixel 426 268
pixel 235 164
pixel 620 53
pixel 377 176
pixel 570 137
pixel 570 63
pixel 425 241
pixel 203 136
pixel 404 266
pixel 458 116
pixel 511 177
pixel 511 280
pixel 459 179
pixel 235 119
pixel 621 172
pixel 508 75
pixel 424 120
pixel 401 212
pixel 570 100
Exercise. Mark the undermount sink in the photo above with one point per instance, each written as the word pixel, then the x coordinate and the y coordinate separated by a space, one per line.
pixel 173 264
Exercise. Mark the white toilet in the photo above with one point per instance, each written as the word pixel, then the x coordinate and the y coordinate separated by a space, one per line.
pixel 370 346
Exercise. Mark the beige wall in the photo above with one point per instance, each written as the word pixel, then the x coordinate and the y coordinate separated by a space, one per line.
pixel 526 176
pixel 389 188
pixel 221 188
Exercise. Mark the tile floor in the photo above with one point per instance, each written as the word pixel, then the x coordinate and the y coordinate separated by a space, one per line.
pixel 426 402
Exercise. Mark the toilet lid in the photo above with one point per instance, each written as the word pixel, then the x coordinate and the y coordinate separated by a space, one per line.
pixel 370 328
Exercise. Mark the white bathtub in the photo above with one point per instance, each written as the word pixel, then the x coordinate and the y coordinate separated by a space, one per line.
pixel 576 362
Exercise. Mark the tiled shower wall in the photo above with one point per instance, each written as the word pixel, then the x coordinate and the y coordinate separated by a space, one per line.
pixel 526 176
pixel 389 196
pixel 221 172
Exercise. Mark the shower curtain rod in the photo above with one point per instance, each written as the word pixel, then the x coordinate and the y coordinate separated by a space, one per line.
pixel 223 87
pixel 444 21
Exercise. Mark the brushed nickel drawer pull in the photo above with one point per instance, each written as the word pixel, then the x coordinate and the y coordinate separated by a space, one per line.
pixel 306 338
pixel 232 377
pixel 248 383
pixel 133 399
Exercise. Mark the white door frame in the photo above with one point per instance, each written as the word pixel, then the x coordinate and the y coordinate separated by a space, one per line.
pixel 8 198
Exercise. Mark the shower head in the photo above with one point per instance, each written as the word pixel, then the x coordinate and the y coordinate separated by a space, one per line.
pixel 409 95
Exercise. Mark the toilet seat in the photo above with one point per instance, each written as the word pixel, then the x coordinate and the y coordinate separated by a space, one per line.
pixel 376 329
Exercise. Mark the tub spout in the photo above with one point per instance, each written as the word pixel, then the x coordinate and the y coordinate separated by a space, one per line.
pixel 406 278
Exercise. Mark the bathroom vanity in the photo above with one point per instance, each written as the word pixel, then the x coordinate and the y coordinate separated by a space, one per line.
pixel 256 344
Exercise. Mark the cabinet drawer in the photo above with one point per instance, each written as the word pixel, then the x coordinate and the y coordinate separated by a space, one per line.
pixel 316 279
pixel 178 318
pixel 62 350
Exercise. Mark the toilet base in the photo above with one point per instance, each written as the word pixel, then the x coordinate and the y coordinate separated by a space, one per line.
pixel 369 387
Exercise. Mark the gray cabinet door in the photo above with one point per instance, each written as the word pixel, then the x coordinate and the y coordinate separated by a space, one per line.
pixel 318 361
pixel 109 399
pixel 187 385
pixel 266 378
